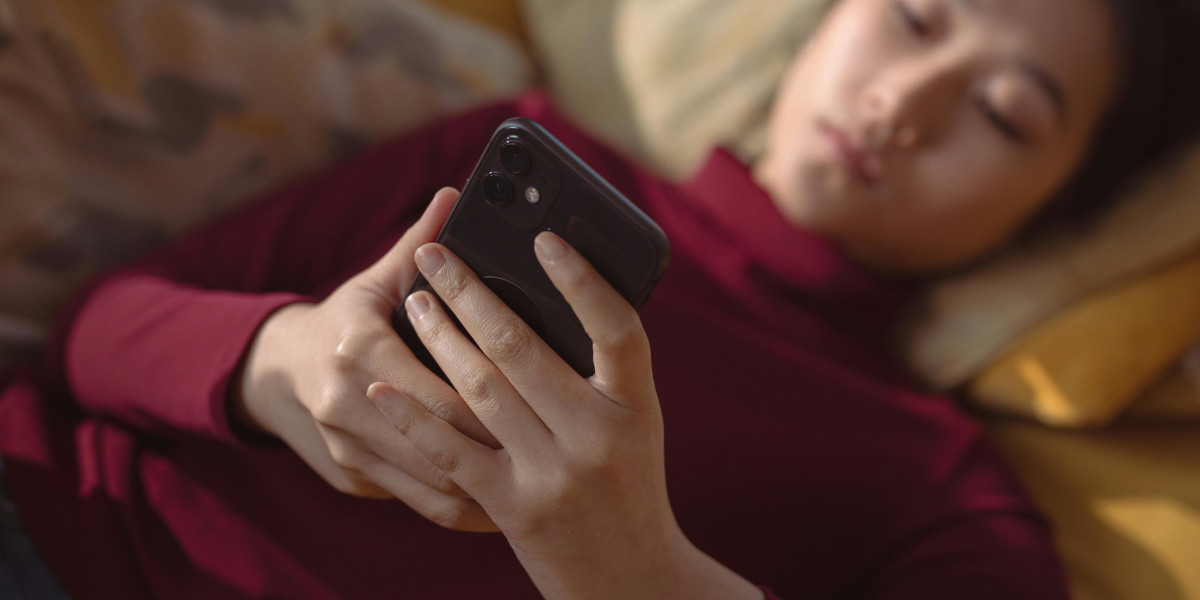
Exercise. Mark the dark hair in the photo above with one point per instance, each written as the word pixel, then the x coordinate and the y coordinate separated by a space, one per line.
pixel 1154 115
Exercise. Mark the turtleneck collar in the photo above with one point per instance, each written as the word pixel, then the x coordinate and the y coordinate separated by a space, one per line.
pixel 789 260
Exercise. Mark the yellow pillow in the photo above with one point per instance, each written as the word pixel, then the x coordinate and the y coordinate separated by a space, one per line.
pixel 1124 501
pixel 1174 398
pixel 1086 365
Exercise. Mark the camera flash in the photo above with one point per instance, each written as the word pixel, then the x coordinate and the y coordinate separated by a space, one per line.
pixel 532 195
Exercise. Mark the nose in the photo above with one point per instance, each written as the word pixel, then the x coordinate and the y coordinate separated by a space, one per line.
pixel 907 103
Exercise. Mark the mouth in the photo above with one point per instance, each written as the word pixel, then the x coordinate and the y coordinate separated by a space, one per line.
pixel 854 158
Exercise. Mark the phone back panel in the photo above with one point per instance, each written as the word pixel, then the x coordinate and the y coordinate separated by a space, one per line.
pixel 556 192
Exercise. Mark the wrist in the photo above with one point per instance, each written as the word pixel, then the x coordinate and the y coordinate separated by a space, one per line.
pixel 265 375
pixel 675 569
pixel 698 575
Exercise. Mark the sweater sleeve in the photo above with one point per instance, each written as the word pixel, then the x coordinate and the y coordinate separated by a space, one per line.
pixel 978 537
pixel 985 558
pixel 154 346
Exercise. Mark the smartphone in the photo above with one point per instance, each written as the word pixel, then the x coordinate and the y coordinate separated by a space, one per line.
pixel 525 183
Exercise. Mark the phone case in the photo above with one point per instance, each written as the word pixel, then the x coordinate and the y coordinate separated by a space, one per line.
pixel 551 189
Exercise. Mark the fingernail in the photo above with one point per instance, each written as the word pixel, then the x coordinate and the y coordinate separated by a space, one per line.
pixel 549 247
pixel 380 393
pixel 416 305
pixel 387 400
pixel 429 259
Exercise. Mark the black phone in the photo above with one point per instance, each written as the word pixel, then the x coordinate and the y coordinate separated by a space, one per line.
pixel 525 183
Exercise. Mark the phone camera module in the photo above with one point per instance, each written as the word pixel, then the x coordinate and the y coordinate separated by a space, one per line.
pixel 515 158
pixel 497 189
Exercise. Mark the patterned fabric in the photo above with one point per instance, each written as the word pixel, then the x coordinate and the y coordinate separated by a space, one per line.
pixel 127 121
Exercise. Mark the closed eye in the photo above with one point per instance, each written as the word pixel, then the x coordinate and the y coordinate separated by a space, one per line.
pixel 918 26
pixel 1006 127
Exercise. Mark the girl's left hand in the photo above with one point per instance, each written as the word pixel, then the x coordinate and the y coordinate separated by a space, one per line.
pixel 578 486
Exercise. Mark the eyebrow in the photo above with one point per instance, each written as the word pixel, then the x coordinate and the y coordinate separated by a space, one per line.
pixel 1044 80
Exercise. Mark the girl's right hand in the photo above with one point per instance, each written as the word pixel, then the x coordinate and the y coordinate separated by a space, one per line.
pixel 306 375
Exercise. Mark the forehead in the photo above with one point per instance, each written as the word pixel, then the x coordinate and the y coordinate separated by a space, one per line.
pixel 1074 41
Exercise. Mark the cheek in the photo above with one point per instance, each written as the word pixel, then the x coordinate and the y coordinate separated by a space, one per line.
pixel 960 202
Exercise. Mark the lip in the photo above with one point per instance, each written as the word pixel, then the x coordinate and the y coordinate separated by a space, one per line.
pixel 861 163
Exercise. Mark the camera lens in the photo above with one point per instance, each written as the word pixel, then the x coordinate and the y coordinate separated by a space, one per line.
pixel 515 158
pixel 497 190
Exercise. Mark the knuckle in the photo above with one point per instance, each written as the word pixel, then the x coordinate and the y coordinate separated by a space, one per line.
pixel 340 458
pixel 441 481
pixel 486 407
pixel 454 287
pixel 438 332
pixel 350 485
pixel 401 420
pixel 477 384
pixel 329 407
pixel 627 336
pixel 595 464
pixel 344 357
pixel 444 409
pixel 350 346
pixel 356 341
pixel 345 458
pixel 446 460
pixel 601 459
pixel 561 489
pixel 509 343
pixel 452 514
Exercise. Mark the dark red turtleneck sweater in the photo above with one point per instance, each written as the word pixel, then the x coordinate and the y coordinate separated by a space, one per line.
pixel 796 454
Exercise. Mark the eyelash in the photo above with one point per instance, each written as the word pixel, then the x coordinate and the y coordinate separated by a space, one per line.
pixel 910 17
pixel 922 30
pixel 1007 129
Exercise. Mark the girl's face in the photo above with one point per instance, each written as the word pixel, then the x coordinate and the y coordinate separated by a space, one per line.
pixel 919 134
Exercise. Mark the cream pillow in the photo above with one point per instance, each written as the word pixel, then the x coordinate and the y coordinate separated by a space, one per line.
pixel 666 80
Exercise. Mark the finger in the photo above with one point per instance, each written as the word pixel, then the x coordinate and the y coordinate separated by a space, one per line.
pixel 620 349
pixel 459 514
pixel 354 455
pixel 391 275
pixel 473 466
pixel 478 380
pixel 366 354
pixel 543 379
pixel 303 436
pixel 386 359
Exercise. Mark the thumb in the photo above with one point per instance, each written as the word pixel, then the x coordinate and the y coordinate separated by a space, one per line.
pixel 392 273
